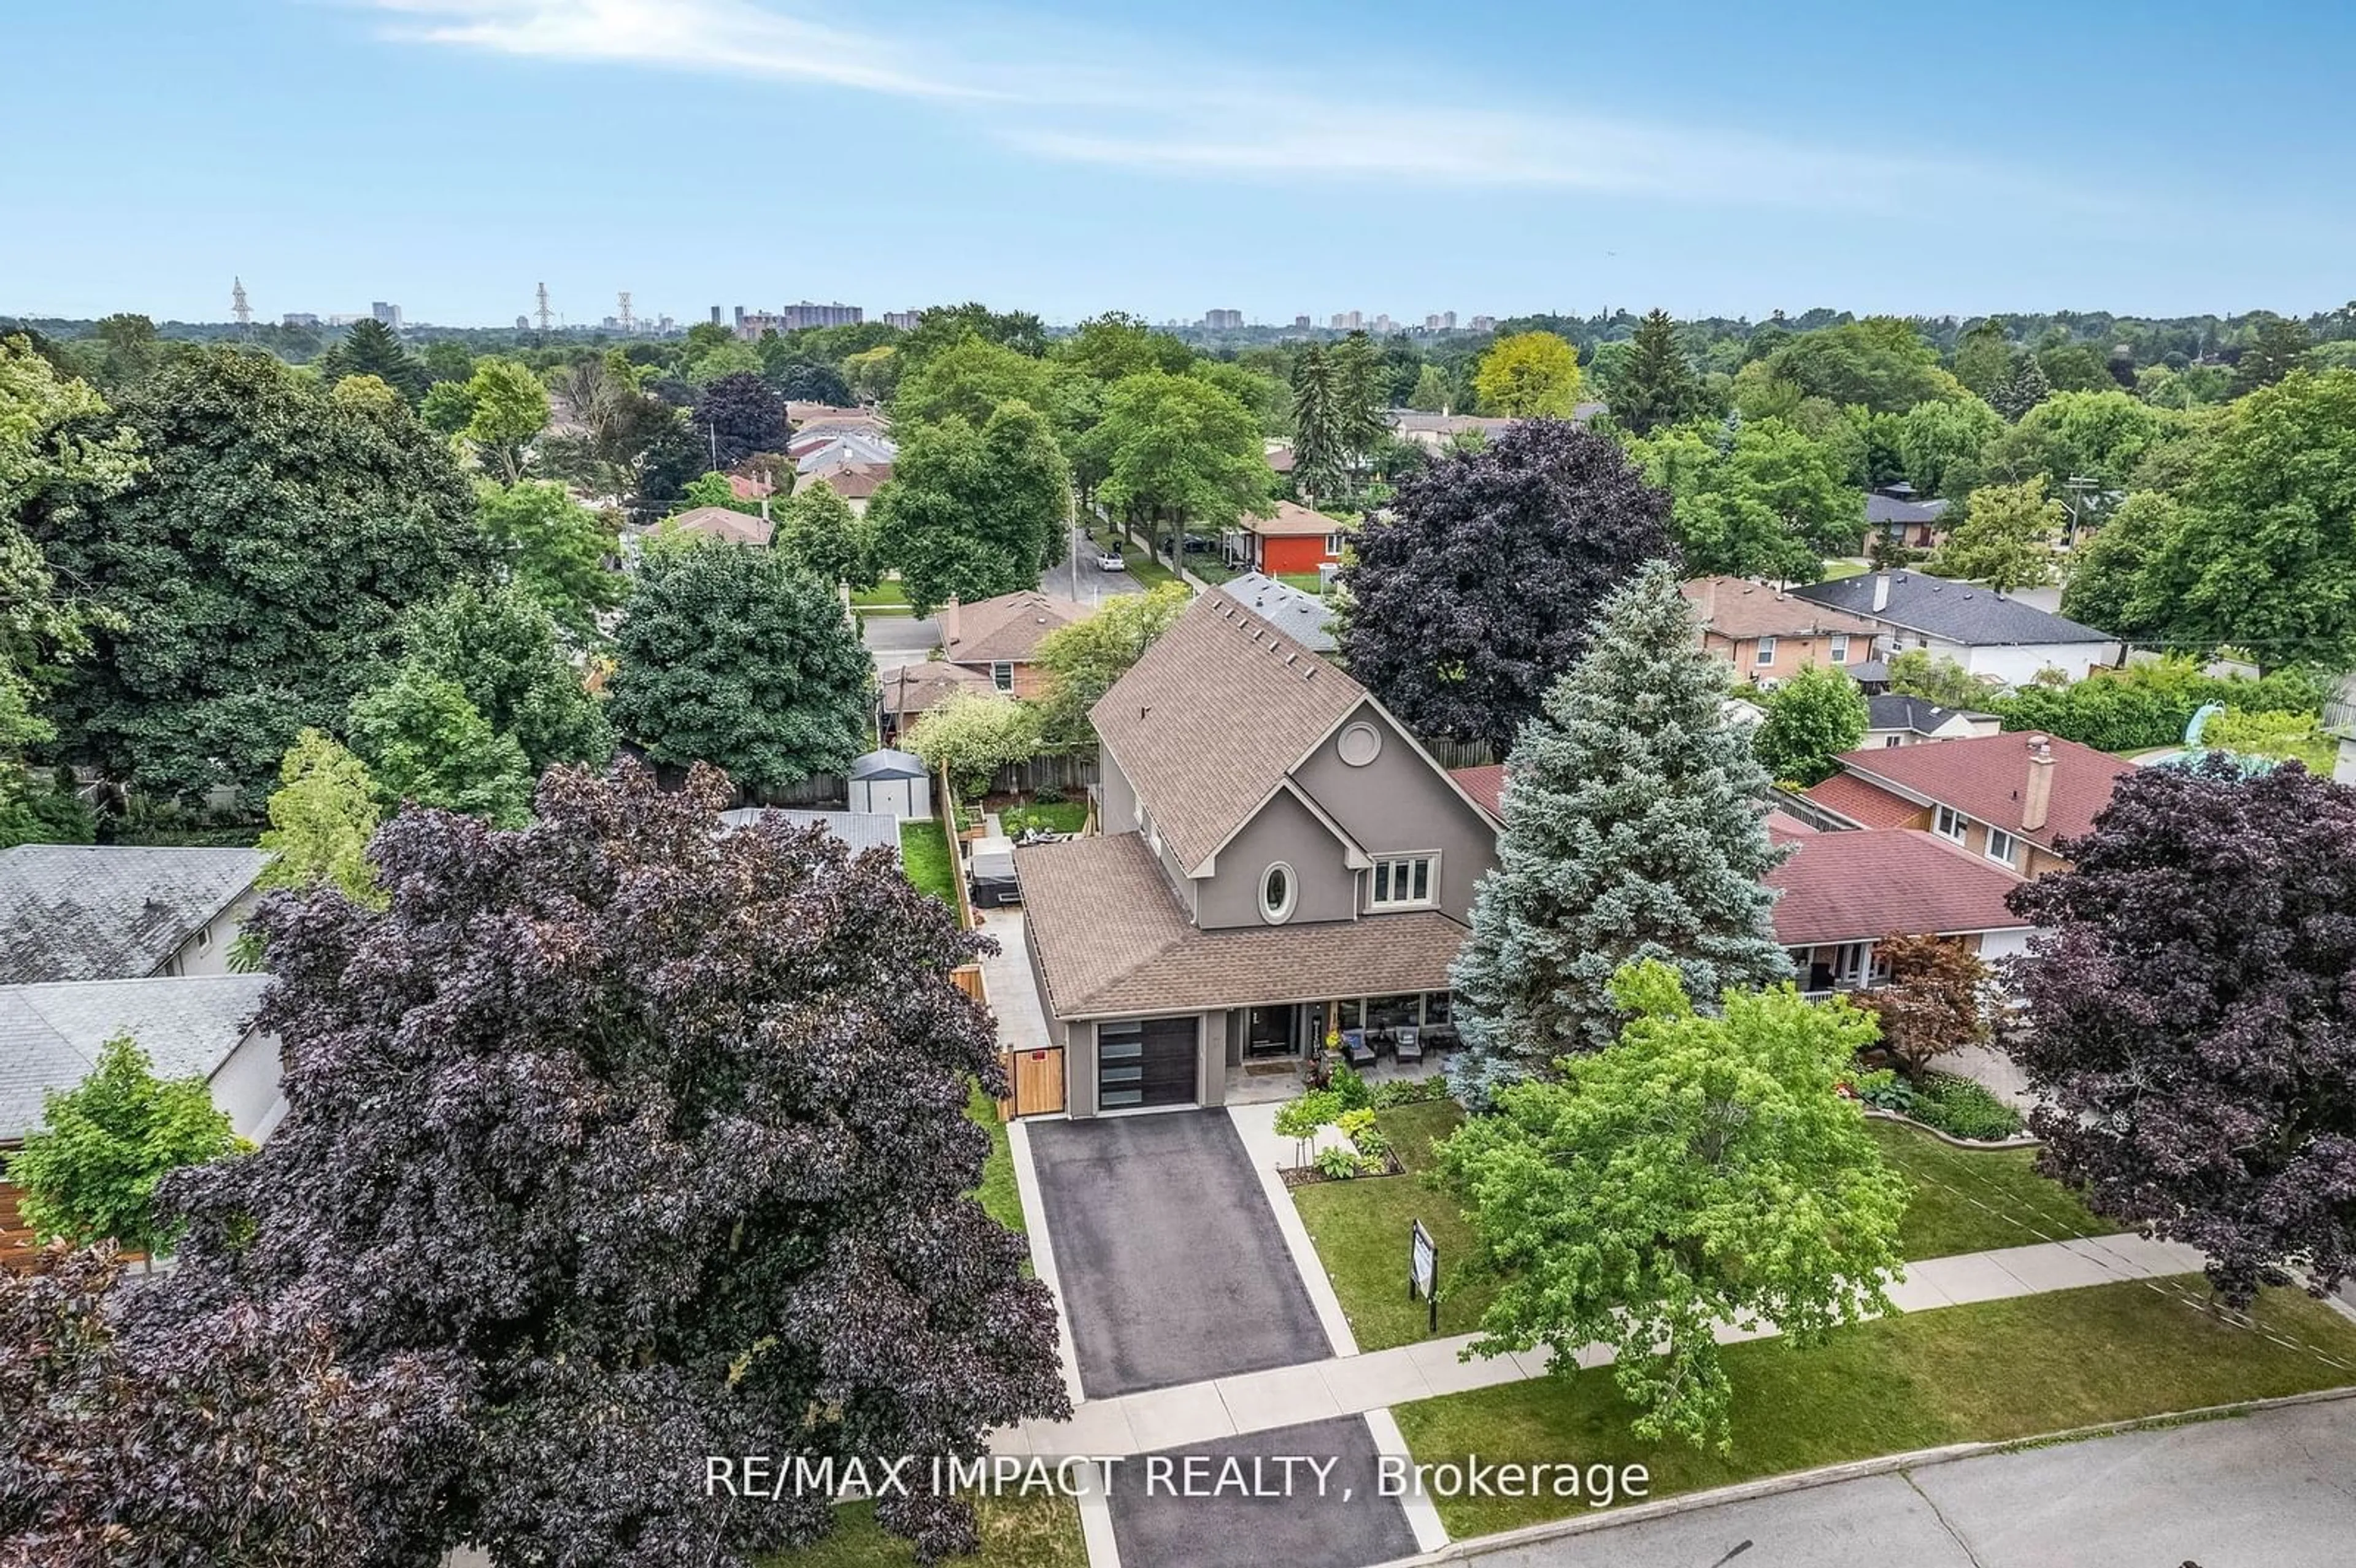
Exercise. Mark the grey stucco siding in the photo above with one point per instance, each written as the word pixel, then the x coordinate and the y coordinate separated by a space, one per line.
pixel 1400 803
pixel 1287 833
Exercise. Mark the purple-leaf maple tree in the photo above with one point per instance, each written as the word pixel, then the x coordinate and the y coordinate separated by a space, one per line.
pixel 2194 1018
pixel 1476 590
pixel 655 1135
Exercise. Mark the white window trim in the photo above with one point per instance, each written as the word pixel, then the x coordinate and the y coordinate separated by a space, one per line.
pixel 2011 847
pixel 1765 653
pixel 1279 913
pixel 1334 546
pixel 1002 675
pixel 1432 884
pixel 1837 647
pixel 1948 812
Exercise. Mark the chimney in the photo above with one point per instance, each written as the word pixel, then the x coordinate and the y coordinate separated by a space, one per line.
pixel 2039 798
pixel 1880 592
pixel 950 622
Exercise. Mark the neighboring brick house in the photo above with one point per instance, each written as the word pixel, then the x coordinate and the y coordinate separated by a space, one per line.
pixel 1993 636
pixel 1000 638
pixel 907 690
pixel 1290 537
pixel 1769 634
pixel 82 912
pixel 1279 859
pixel 1839 894
pixel 1896 513
pixel 2007 798
pixel 854 482
pixel 1892 720
pixel 724 523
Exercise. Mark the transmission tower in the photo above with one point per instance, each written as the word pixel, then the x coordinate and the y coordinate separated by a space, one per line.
pixel 237 305
pixel 542 313
pixel 623 315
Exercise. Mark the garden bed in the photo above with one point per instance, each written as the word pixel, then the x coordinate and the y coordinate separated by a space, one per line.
pixel 1309 1176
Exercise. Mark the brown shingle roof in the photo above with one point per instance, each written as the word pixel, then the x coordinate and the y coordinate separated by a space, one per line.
pixel 1214 716
pixel 1288 519
pixel 1112 942
pixel 1985 777
pixel 1862 802
pixel 720 523
pixel 1010 627
pixel 1898 882
pixel 1738 607
pixel 853 481
pixel 913 688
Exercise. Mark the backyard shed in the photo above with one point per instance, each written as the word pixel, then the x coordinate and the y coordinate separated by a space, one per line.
pixel 892 782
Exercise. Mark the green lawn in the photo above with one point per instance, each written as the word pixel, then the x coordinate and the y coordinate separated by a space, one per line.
pixel 1361 1229
pixel 1973 1200
pixel 1963 1201
pixel 1149 570
pixel 999 1193
pixel 1993 1371
pixel 1065 816
pixel 925 854
pixel 888 594
pixel 1302 579
pixel 1016 1532
pixel 1836 570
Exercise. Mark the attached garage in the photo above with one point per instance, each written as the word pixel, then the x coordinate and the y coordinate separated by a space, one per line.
pixel 1148 1061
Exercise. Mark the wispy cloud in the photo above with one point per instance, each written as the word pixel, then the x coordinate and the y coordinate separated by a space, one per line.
pixel 1061 100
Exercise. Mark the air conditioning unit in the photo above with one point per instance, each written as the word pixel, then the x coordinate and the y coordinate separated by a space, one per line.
pixel 1768 682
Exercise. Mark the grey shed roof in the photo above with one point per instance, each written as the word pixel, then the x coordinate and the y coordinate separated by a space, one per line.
pixel 888 764
pixel 1958 611
pixel 79 912
pixel 50 1035
pixel 1881 507
pixel 1297 613
pixel 859 829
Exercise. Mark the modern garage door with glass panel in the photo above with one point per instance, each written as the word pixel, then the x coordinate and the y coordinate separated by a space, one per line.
pixel 1145 1061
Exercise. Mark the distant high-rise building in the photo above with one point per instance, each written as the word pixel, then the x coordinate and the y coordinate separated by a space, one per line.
pixel 1300 323
pixel 1347 321
pixel 715 315
pixel 299 318
pixel 386 313
pixel 1447 321
pixel 1223 320
pixel 905 320
pixel 1485 323
pixel 740 318
pixel 1384 323
pixel 523 323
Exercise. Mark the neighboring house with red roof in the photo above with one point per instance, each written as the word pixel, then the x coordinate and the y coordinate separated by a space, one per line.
pixel 2007 798
pixel 1769 634
pixel 1289 538
pixel 1000 638
pixel 1280 859
pixel 854 482
pixel 1839 894
pixel 721 523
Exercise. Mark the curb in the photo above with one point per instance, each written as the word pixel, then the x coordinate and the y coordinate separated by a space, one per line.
pixel 1480 1546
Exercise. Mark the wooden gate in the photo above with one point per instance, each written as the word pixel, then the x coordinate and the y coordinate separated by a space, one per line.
pixel 1037 1077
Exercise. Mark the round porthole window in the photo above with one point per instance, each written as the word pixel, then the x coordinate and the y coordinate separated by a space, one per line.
pixel 1360 744
pixel 1276 892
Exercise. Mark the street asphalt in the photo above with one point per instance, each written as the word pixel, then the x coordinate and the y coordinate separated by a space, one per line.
pixel 2273 1489
pixel 1316 1526
pixel 1171 1265
pixel 895 640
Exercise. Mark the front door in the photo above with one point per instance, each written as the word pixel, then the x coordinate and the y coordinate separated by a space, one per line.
pixel 1269 1031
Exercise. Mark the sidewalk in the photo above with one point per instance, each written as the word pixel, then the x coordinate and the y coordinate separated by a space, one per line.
pixel 1350 1386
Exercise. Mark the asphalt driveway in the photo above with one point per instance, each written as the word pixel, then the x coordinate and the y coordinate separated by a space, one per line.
pixel 1171 1265
pixel 1322 1511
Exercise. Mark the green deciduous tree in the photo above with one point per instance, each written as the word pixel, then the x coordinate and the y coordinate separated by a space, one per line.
pixel 1529 375
pixel 322 815
pixel 2102 435
pixel 1812 718
pixel 1083 659
pixel 1983 357
pixel 1632 830
pixel 1430 395
pixel 554 550
pixel 256 571
pixel 1939 443
pixel 1700 1171
pixel 1880 364
pixel 973 513
pixel 501 649
pixel 2277 347
pixel 426 744
pixel 1935 678
pixel 818 531
pixel 1769 502
pixel 89 1171
pixel 1656 386
pixel 2006 538
pixel 969 379
pixel 1178 451
pixel 506 406
pixel 734 657
pixel 973 736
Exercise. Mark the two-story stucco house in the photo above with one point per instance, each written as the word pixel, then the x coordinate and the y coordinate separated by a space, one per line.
pixel 1278 860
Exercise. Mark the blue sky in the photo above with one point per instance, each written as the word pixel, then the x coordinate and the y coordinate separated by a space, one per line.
pixel 1485 155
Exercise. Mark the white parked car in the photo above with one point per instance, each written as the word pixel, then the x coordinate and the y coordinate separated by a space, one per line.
pixel 1108 559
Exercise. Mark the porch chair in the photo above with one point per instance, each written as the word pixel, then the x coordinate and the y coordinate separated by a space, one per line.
pixel 1406 1043
pixel 1355 1050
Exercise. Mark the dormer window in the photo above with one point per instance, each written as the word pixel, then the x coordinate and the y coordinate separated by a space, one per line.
pixel 1278 889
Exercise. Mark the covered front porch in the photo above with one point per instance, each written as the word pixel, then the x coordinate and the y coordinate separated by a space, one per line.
pixel 1268 1046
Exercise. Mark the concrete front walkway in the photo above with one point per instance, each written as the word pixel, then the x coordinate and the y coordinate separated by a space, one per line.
pixel 1344 1385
